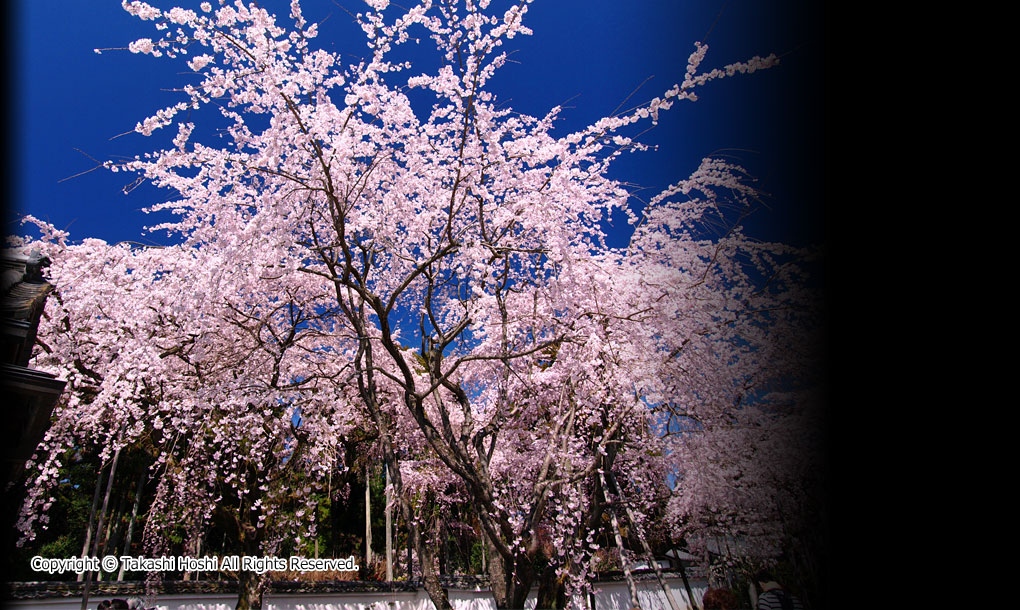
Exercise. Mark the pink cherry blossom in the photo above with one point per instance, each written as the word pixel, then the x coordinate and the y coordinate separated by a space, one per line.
pixel 440 278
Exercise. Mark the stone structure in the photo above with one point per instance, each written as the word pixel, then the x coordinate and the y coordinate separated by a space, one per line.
pixel 28 395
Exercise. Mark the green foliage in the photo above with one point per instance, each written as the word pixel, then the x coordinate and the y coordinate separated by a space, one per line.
pixel 69 516
pixel 340 521
pixel 475 558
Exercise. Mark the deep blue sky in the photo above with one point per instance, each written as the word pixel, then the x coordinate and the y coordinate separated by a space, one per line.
pixel 591 52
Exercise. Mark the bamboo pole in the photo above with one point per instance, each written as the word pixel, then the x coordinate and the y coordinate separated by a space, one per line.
pixel 110 538
pixel 410 561
pixel 389 528
pixel 102 516
pixel 92 518
pixel 683 575
pixel 368 519
pixel 131 523
pixel 644 545
pixel 631 587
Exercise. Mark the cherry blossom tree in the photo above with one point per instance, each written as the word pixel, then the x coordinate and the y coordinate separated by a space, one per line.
pixel 226 383
pixel 749 491
pixel 438 273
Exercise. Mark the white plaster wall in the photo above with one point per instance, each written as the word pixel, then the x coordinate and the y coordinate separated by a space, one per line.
pixel 608 596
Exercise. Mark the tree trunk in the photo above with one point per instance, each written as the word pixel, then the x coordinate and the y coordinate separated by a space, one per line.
pixel 510 584
pixel 551 592
pixel 426 550
pixel 335 519
pixel 366 385
pixel 250 539
pixel 198 551
pixel 498 581
pixel 439 532
pixel 410 564
pixel 249 590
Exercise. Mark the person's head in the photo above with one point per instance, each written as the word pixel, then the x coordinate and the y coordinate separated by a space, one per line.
pixel 719 599
pixel 764 576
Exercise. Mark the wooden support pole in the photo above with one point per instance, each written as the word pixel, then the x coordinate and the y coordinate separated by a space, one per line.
pixel 131 523
pixel 368 518
pixel 644 545
pixel 631 587
pixel 389 528
pixel 102 517
pixel 92 518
